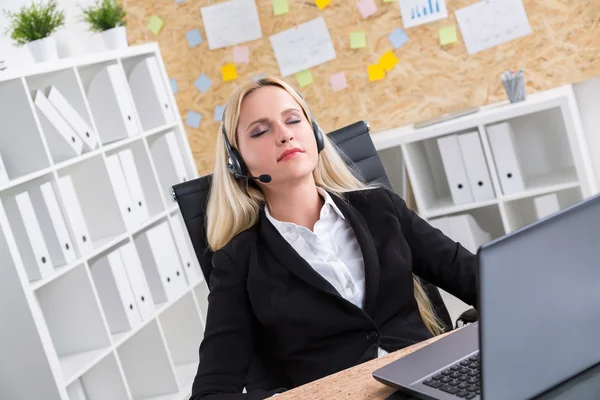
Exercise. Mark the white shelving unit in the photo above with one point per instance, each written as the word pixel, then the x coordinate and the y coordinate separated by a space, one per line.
pixel 73 323
pixel 551 147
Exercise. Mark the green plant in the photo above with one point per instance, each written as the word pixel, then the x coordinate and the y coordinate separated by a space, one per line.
pixel 34 22
pixel 105 14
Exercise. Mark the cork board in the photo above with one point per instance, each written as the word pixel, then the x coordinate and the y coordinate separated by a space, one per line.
pixel 563 48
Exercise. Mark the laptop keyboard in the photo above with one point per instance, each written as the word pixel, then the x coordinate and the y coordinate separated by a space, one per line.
pixel 460 379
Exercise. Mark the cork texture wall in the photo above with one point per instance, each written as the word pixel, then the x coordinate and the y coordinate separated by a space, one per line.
pixel 429 79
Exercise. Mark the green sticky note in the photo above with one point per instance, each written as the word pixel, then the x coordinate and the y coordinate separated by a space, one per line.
pixel 448 35
pixel 304 78
pixel 280 7
pixel 155 24
pixel 358 40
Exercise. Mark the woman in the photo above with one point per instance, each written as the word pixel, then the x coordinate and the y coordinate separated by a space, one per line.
pixel 313 271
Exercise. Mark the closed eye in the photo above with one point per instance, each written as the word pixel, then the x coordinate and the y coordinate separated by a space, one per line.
pixel 258 133
pixel 294 122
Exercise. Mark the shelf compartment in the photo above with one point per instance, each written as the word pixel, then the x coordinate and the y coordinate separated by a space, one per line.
pixel 145 355
pixel 522 212
pixel 136 167
pixel 183 344
pixel 531 152
pixel 110 101
pixel 167 156
pixel 149 91
pixel 74 320
pixel 395 168
pixel 22 148
pixel 96 198
pixel 102 381
pixel 19 337
pixel 66 89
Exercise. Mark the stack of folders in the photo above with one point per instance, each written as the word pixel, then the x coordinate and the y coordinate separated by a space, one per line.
pixel 39 227
pixel 123 289
pixel 466 168
pixel 69 132
pixel 463 229
pixel 161 262
pixel 112 104
pixel 501 138
pixel 126 183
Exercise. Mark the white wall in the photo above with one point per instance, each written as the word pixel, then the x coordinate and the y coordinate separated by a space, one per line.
pixel 72 39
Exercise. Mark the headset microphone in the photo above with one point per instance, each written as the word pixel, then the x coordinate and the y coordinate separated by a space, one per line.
pixel 264 178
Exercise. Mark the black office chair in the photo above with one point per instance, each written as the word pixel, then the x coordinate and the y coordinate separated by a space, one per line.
pixel 359 152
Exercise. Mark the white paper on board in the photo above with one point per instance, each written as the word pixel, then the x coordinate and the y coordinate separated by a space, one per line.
pixel 490 23
pixel 303 46
pixel 231 22
pixel 419 12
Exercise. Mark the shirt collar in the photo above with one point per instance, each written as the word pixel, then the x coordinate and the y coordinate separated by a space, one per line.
pixel 329 203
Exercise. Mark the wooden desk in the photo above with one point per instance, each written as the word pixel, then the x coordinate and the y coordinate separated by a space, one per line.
pixel 356 383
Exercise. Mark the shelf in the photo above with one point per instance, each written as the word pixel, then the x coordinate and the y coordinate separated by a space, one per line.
pixel 547 183
pixel 103 381
pixel 75 365
pixel 22 148
pixel 25 179
pixel 446 206
pixel 185 376
pixel 58 272
pixel 143 356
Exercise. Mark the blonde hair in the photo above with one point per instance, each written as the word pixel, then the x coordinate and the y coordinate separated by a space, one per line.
pixel 234 206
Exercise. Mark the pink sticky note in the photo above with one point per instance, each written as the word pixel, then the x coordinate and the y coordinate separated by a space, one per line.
pixel 367 8
pixel 240 55
pixel 338 81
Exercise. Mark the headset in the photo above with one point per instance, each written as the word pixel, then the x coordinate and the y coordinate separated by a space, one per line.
pixel 235 163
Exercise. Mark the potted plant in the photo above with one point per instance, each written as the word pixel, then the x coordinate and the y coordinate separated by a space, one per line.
pixel 107 17
pixel 33 26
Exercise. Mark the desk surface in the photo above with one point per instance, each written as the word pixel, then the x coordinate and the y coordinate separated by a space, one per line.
pixel 356 383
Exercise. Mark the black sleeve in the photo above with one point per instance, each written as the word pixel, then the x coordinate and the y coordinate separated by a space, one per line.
pixel 229 336
pixel 437 258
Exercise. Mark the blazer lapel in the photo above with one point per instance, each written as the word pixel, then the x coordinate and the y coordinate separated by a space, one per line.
pixel 287 256
pixel 369 251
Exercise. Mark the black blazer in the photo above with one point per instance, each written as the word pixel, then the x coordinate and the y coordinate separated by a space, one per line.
pixel 269 307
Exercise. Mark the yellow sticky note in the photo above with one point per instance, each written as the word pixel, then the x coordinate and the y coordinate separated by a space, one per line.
pixel 304 78
pixel 155 24
pixel 322 3
pixel 388 60
pixel 229 72
pixel 358 40
pixel 376 72
pixel 280 7
pixel 448 35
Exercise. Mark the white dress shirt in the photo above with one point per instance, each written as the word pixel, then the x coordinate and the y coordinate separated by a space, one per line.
pixel 332 250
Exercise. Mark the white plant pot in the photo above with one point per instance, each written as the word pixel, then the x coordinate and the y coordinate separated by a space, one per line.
pixel 115 38
pixel 43 49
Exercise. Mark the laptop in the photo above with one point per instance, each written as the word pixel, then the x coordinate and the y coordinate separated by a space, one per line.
pixel 539 307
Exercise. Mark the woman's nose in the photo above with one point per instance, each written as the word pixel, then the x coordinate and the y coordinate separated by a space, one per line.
pixel 284 135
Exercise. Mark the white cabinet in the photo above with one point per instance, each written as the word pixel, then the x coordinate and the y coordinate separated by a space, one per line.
pixel 78 309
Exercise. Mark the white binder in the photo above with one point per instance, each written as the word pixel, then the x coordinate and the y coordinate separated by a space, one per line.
pixel 176 156
pixel 67 143
pixel 4 179
pixel 505 157
pixel 36 258
pixel 476 166
pixel 188 258
pixel 452 159
pixel 150 94
pixel 119 185
pixel 115 293
pixel 137 279
pixel 111 104
pixel 546 205
pixel 132 177
pixel 53 225
pixel 161 263
pixel 83 130
pixel 75 214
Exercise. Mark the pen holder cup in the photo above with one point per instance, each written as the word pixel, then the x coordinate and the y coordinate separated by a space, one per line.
pixel 515 88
